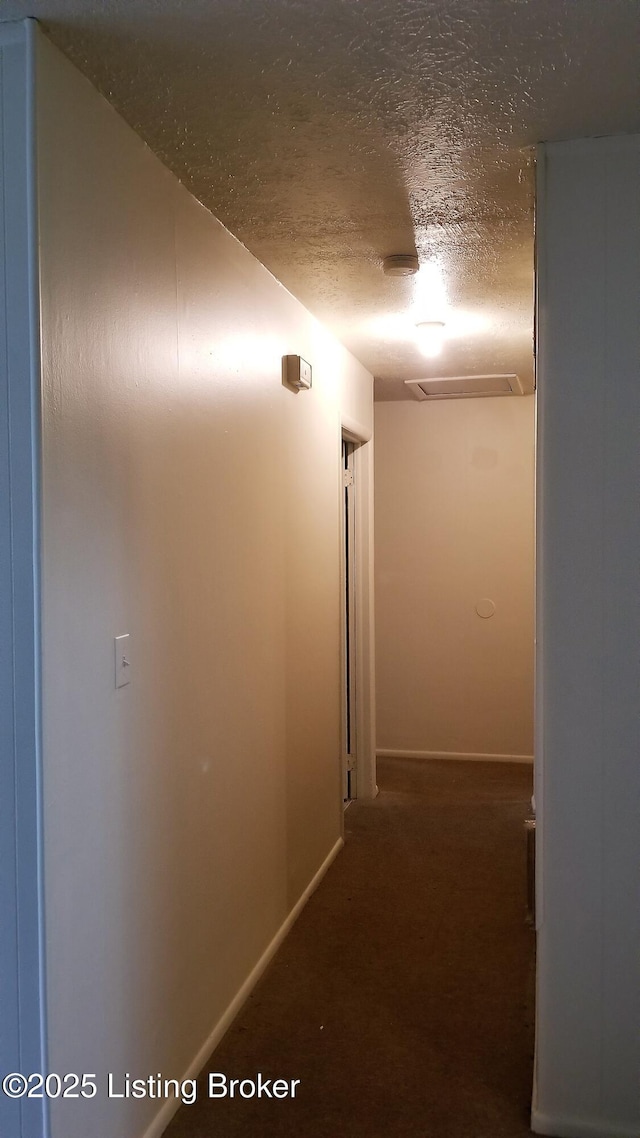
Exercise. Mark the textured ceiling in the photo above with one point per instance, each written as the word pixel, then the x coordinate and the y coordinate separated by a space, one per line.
pixel 327 135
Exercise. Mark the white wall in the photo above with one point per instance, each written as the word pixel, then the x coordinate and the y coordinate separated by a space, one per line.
pixel 192 501
pixel 454 524
pixel 588 727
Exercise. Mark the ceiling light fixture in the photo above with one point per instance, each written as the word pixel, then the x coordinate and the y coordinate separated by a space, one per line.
pixel 430 337
pixel 430 292
pixel 400 265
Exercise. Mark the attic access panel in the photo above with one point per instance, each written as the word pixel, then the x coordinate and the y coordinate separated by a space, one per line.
pixel 464 386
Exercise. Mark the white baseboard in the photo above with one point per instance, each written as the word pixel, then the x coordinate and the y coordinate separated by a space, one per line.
pixel 571 1128
pixel 171 1106
pixel 473 757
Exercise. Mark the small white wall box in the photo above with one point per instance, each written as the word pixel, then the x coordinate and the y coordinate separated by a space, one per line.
pixel 297 372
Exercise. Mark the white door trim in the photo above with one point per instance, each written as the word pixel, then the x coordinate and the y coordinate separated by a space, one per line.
pixel 361 436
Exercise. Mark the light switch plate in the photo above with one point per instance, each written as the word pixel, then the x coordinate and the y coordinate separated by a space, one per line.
pixel 122 646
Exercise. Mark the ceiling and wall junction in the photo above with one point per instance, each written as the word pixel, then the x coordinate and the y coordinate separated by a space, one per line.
pixel 327 137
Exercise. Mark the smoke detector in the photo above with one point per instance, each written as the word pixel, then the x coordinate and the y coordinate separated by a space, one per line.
pixel 400 265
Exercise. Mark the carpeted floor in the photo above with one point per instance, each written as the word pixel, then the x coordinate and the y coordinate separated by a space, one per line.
pixel 403 997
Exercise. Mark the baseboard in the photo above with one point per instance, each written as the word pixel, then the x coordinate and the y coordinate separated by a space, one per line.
pixel 571 1128
pixel 171 1106
pixel 472 757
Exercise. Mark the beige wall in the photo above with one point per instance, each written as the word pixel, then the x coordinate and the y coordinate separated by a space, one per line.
pixel 454 525
pixel 193 502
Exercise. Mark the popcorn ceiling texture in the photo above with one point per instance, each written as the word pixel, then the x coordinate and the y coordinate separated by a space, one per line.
pixel 329 135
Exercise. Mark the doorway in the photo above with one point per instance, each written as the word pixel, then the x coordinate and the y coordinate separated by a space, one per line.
pixel 357 747
pixel 349 625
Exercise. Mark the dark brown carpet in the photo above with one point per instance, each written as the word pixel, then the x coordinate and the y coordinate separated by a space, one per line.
pixel 403 997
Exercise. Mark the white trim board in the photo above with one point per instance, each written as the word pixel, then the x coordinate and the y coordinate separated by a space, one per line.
pixel 572 1128
pixel 355 431
pixel 171 1106
pixel 472 756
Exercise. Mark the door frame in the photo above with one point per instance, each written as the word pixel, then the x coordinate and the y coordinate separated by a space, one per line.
pixel 364 651
pixel 348 626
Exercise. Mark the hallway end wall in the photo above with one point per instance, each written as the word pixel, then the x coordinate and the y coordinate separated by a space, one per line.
pixel 454 507
pixel 191 501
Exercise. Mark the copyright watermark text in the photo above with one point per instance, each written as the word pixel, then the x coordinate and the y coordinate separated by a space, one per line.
pixel 72 1086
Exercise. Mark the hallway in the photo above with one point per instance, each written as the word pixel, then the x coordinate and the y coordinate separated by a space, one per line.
pixel 403 997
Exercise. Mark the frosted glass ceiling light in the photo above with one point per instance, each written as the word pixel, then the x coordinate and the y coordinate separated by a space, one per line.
pixel 429 291
pixel 430 337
